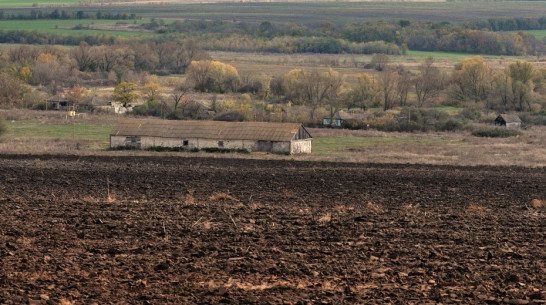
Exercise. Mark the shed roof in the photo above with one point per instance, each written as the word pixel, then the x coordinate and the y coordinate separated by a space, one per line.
pixel 347 116
pixel 510 118
pixel 258 131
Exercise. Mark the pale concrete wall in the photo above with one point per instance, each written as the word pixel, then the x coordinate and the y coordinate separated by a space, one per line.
pixel 294 147
pixel 513 125
pixel 301 146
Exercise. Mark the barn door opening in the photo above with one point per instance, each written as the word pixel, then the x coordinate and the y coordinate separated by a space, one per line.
pixel 265 146
pixel 132 142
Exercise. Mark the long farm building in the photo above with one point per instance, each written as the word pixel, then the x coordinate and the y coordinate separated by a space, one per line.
pixel 289 138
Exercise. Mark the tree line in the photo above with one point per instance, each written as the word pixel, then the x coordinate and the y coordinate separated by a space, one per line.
pixel 56 14
pixel 327 37
pixel 472 83
pixel 392 38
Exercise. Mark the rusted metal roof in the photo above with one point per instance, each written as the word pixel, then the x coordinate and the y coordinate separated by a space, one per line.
pixel 216 130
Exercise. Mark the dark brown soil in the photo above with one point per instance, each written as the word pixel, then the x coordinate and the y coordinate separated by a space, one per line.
pixel 151 230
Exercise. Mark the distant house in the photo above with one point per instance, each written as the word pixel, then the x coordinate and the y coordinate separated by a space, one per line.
pixel 342 117
pixel 99 104
pixel 511 121
pixel 289 138
pixel 59 102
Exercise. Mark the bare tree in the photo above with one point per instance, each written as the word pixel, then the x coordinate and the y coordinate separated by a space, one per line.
pixel 82 55
pixel 380 61
pixel 178 96
pixel 144 59
pixel 403 85
pixel 23 55
pixel 429 83
pixel 388 82
pixel 166 54
pixel 322 88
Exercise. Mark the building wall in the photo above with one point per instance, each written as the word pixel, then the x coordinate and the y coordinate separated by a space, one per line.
pixel 300 146
pixel 515 125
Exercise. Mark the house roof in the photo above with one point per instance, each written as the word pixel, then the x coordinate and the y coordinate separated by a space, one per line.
pixel 510 118
pixel 258 131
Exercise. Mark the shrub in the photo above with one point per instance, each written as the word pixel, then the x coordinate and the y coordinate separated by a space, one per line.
pixel 496 133
pixel 471 114
pixel 533 119
pixel 449 125
pixel 150 108
pixel 3 124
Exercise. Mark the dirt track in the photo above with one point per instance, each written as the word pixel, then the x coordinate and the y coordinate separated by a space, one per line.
pixel 206 230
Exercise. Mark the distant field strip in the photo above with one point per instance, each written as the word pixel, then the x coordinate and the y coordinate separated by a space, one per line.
pixel 17 3
pixel 310 13
pixel 65 27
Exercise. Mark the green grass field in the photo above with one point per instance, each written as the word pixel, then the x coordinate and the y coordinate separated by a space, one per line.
pixel 35 129
pixel 449 109
pixel 539 34
pixel 65 27
pixel 444 56
pixel 25 3
pixel 339 145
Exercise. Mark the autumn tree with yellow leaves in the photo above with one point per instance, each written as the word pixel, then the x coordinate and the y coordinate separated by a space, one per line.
pixel 213 76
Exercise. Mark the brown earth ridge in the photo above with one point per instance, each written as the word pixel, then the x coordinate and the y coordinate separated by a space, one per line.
pixel 188 230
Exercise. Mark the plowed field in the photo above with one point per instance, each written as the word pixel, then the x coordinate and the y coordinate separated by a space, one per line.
pixel 158 230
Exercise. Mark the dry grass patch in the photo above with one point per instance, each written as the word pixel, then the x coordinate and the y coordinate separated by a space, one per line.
pixel 537 203
pixel 189 199
pixel 342 208
pixel 474 208
pixel 111 198
pixel 372 206
pixel 222 197
pixel 326 218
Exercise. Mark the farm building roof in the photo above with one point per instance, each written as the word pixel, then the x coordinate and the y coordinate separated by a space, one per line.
pixel 258 131
pixel 510 118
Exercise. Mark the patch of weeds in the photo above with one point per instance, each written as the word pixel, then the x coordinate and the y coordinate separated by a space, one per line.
pixel 496 133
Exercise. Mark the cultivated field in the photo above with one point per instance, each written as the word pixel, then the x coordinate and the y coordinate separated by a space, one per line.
pixel 306 12
pixel 158 230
